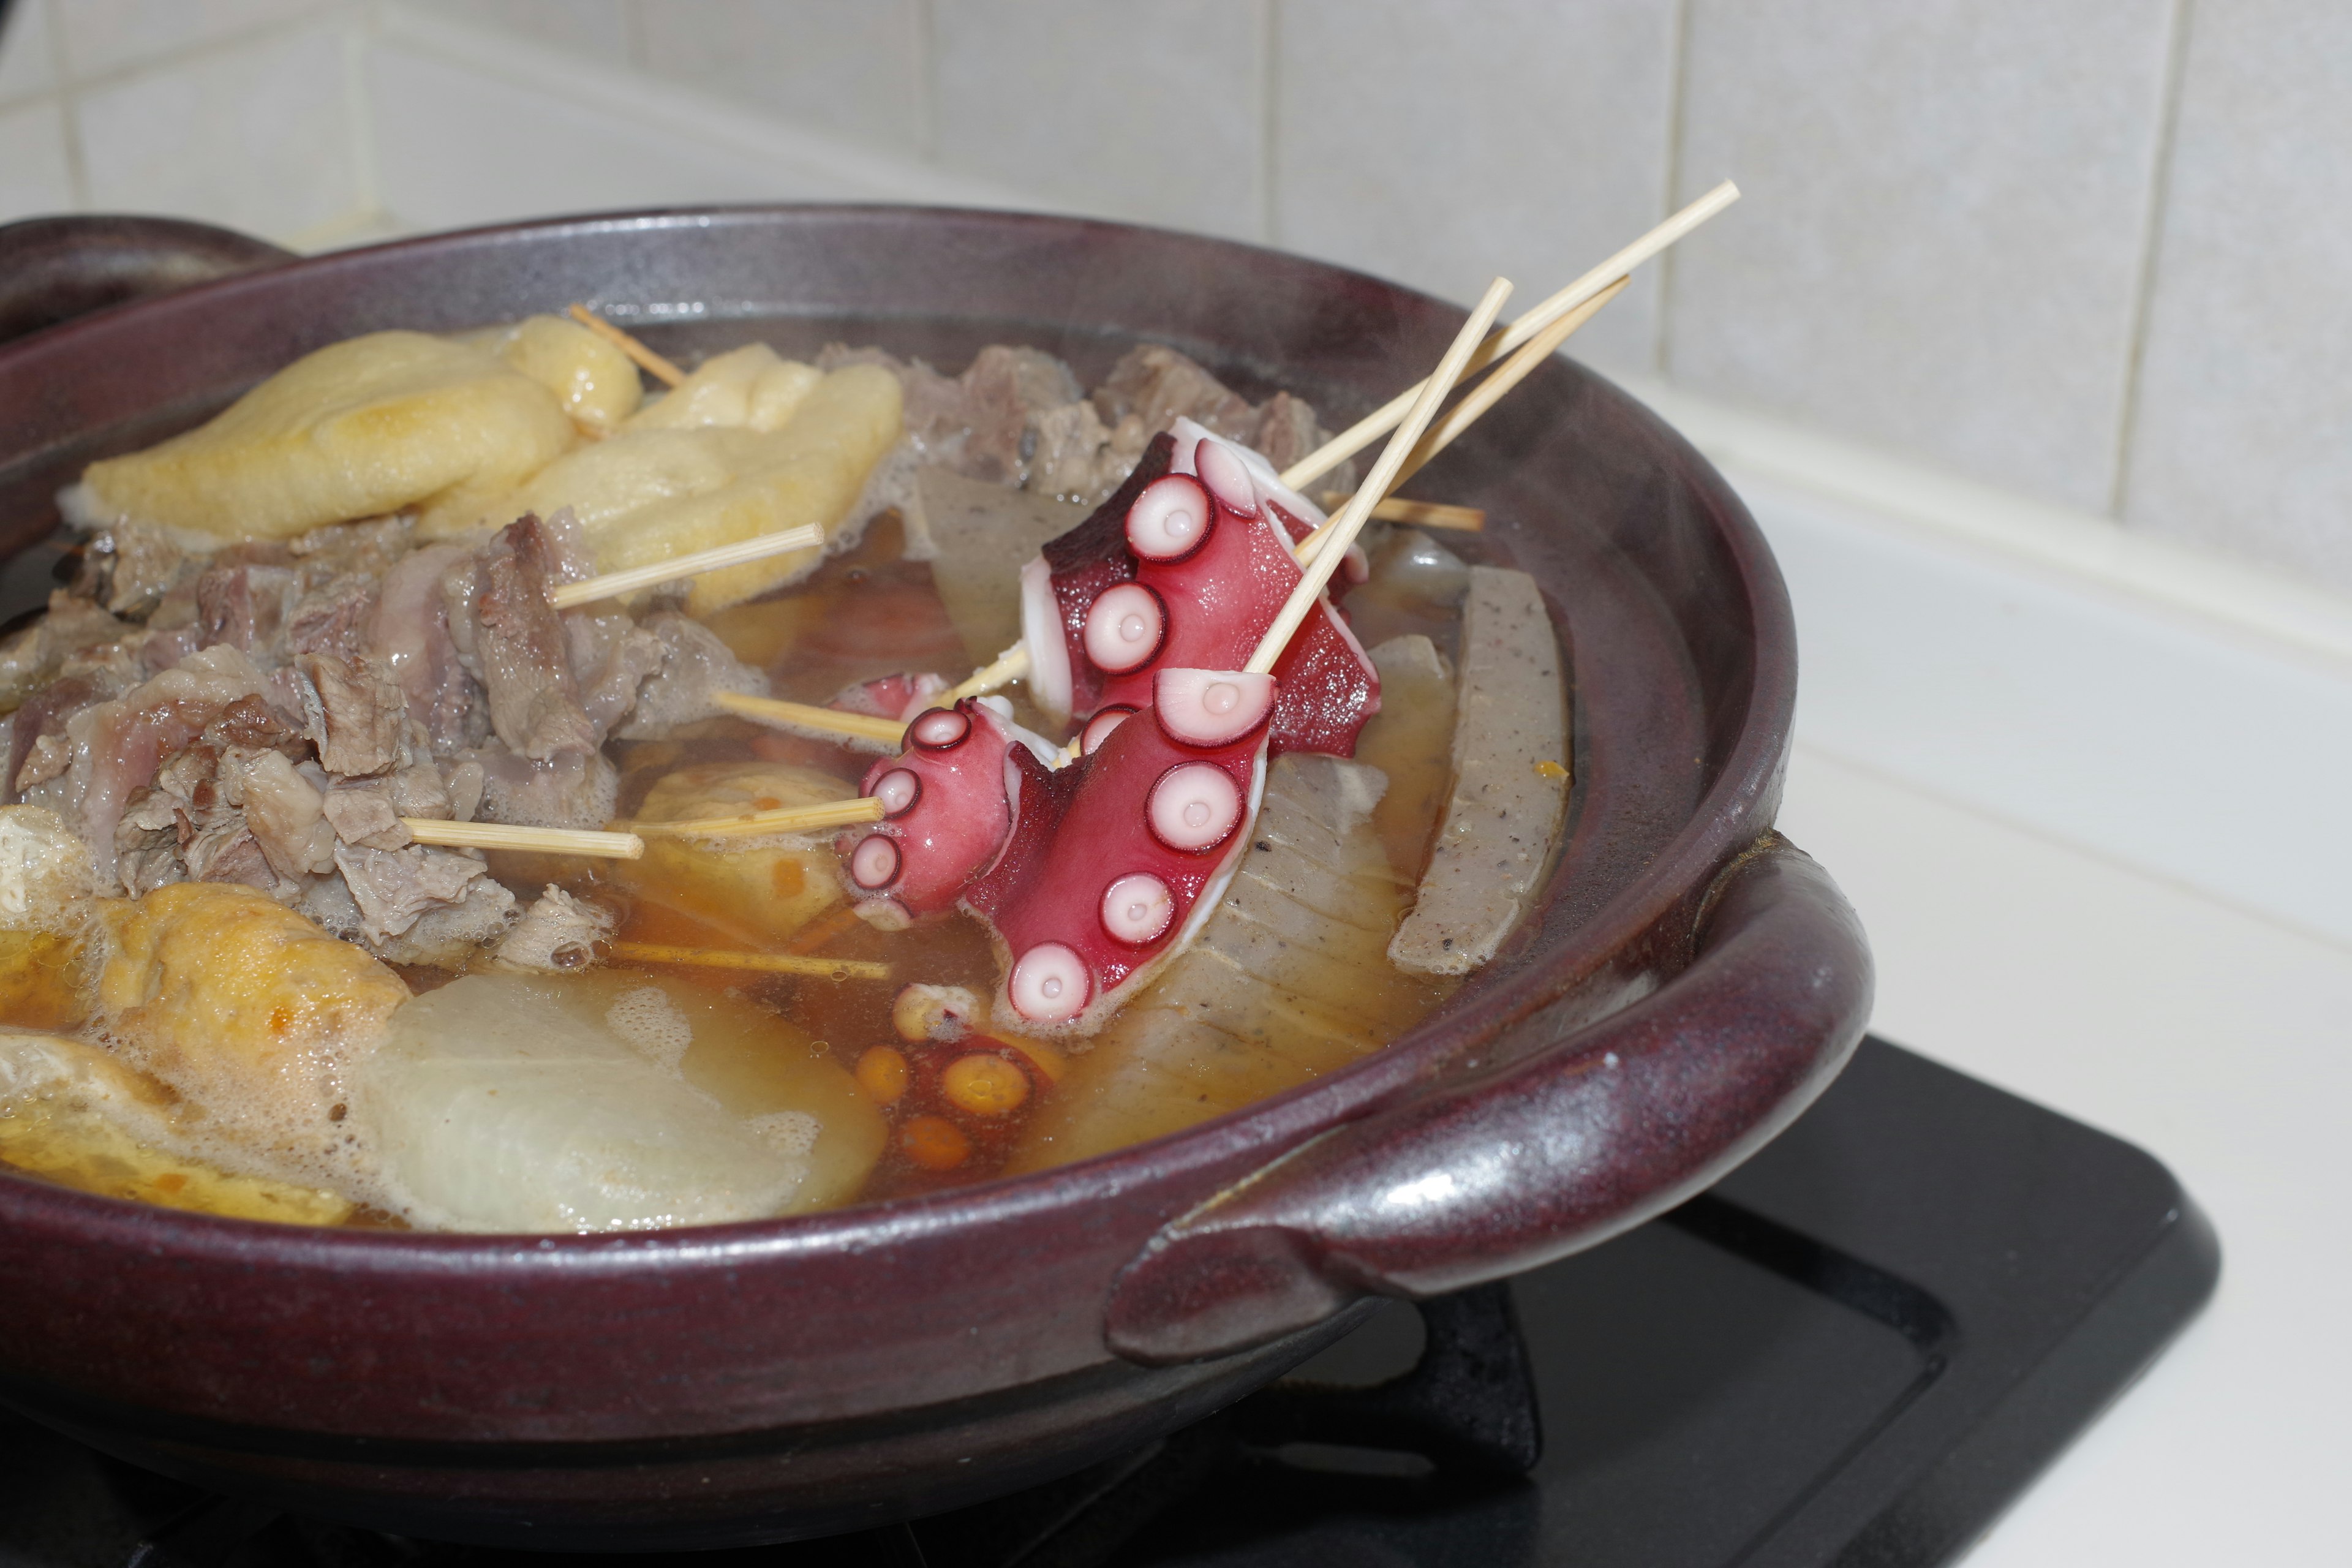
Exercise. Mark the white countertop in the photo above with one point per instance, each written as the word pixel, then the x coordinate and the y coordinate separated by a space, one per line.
pixel 2220 1042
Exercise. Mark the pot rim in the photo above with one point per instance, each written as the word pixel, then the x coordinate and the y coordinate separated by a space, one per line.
pixel 1729 816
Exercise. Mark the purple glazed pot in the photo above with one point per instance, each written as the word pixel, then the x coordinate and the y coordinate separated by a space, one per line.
pixel 1688 984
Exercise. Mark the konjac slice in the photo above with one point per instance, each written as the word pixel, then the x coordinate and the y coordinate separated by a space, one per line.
pixel 1510 781
pixel 1288 979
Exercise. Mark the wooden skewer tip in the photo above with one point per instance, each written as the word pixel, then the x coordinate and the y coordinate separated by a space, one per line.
pixel 654 364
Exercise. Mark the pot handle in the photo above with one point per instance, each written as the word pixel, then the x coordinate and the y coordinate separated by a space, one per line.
pixel 1522 1164
pixel 55 269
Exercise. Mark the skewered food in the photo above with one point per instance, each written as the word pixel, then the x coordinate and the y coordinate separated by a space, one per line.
pixel 1140 888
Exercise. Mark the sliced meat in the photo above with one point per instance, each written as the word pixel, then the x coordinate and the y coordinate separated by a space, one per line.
pixel 610 657
pixel 1510 781
pixel 335 617
pixel 518 646
pixel 395 888
pixel 246 606
pixel 576 790
pixel 408 632
pixel 695 664
pixel 557 932
pixel 363 814
pixel 1006 391
pixel 118 745
pixel 1158 385
pixel 147 565
pixel 33 657
pixel 362 715
pixel 285 813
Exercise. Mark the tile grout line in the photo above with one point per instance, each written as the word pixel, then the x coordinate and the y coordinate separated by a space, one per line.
pixel 359 105
pixel 1269 120
pixel 72 83
pixel 2176 68
pixel 68 112
pixel 1677 94
pixel 926 80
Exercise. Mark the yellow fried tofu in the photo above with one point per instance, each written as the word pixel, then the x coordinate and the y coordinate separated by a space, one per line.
pixel 45 904
pixel 245 1007
pixel 356 429
pixel 72 1114
pixel 596 384
pixel 749 388
pixel 658 490
pixel 758 890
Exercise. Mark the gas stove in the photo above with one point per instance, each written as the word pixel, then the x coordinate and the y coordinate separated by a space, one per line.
pixel 1856 1349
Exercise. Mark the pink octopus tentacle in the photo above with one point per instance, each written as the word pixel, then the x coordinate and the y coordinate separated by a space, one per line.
pixel 1114 861
pixel 1186 567
pixel 950 813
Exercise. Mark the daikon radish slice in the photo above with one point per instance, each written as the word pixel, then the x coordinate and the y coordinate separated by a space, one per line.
pixel 1288 979
pixel 607 1101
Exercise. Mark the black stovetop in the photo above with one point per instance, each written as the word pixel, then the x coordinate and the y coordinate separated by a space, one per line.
pixel 1857 1350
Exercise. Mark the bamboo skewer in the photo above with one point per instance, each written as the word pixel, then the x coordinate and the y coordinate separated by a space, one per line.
pixel 612 584
pixel 765 962
pixel 1007 668
pixel 1341 530
pixel 539 840
pixel 1427 513
pixel 661 369
pixel 774 710
pixel 1513 370
pixel 1373 426
pixel 1479 400
pixel 784 819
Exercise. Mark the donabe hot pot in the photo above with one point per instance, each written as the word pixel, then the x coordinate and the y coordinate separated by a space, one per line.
pixel 1689 982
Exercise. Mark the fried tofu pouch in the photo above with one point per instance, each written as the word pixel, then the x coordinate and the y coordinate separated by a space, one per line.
pixel 356 429
pixel 73 1115
pixel 247 1008
pixel 756 890
pixel 596 384
pixel 749 445
pixel 46 882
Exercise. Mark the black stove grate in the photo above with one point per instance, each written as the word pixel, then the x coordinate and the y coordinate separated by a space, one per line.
pixel 1855 1350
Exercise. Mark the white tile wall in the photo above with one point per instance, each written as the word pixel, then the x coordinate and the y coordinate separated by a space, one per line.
pixel 603 28
pixel 2080 251
pixel 25 64
pixel 1441 145
pixel 35 176
pixel 258 137
pixel 1947 210
pixel 2243 439
pixel 852 69
pixel 102 36
pixel 1152 112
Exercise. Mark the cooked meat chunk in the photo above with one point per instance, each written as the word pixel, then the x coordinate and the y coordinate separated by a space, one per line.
pixel 393 887
pixel 516 647
pixel 362 715
pixel 695 664
pixel 557 932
